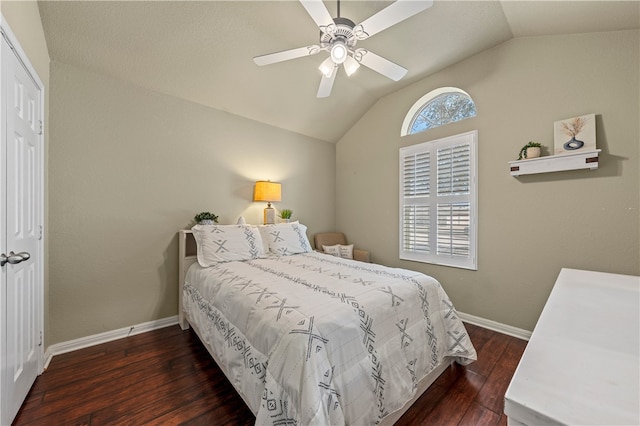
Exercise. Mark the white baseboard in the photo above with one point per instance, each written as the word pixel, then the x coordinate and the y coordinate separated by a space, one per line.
pixel 96 339
pixel 496 326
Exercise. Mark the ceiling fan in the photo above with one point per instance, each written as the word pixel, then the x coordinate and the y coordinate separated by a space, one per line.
pixel 339 36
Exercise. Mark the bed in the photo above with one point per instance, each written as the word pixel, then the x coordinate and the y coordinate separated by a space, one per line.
pixel 309 338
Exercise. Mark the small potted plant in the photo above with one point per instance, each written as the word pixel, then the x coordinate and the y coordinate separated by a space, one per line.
pixel 285 214
pixel 206 218
pixel 530 150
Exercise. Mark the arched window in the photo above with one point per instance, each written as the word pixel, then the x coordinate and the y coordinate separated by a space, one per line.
pixel 437 108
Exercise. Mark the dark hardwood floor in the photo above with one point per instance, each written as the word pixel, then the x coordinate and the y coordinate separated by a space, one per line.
pixel 166 377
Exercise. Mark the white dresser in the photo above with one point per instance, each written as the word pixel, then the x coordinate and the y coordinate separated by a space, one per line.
pixel 582 363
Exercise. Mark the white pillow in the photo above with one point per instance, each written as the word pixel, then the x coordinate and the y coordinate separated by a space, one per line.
pixel 285 239
pixel 226 243
pixel 345 252
pixel 332 250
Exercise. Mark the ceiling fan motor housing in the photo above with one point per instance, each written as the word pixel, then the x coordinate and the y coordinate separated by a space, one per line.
pixel 343 31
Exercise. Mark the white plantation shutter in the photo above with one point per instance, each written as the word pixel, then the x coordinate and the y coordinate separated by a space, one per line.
pixel 416 228
pixel 454 169
pixel 416 174
pixel 439 226
pixel 453 229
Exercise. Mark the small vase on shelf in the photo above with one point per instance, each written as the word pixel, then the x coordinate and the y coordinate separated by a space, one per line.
pixel 533 152
pixel 530 150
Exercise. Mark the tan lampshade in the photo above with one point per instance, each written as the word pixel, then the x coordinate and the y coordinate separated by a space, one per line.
pixel 267 191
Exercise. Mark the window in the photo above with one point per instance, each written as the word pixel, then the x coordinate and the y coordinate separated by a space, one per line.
pixel 437 108
pixel 438 201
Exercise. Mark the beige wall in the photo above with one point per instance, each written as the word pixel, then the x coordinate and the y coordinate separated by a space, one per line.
pixel 24 19
pixel 529 227
pixel 129 167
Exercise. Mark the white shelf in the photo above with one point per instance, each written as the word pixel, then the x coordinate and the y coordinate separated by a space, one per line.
pixel 555 163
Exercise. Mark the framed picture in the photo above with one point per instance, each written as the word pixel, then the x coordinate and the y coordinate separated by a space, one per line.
pixel 574 134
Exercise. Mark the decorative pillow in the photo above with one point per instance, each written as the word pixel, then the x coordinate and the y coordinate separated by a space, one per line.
pixel 332 250
pixel 226 243
pixel 345 252
pixel 285 239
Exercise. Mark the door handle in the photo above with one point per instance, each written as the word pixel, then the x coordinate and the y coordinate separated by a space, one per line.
pixel 23 254
pixel 14 258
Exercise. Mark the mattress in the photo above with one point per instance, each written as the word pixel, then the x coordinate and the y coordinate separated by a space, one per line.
pixel 315 339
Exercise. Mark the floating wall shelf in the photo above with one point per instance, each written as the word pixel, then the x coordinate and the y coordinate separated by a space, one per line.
pixel 555 163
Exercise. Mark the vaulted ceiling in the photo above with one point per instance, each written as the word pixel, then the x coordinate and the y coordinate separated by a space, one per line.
pixel 202 51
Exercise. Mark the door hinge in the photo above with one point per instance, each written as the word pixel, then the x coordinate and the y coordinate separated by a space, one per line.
pixel 40 344
pixel 41 128
pixel 40 232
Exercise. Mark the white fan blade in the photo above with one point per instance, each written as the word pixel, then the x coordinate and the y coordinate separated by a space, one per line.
pixel 379 64
pixel 285 55
pixel 390 15
pixel 326 84
pixel 320 15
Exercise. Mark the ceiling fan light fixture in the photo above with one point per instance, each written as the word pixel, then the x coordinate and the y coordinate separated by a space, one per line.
pixel 327 67
pixel 339 51
pixel 350 65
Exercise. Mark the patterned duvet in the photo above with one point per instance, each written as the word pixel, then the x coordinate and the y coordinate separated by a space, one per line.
pixel 315 339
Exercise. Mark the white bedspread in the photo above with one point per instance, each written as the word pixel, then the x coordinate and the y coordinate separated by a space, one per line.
pixel 315 339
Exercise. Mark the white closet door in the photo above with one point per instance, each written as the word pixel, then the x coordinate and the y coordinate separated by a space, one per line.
pixel 22 232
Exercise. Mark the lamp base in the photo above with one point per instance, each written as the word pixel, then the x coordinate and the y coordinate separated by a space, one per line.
pixel 269 216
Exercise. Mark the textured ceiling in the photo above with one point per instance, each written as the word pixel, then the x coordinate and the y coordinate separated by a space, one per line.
pixel 202 51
